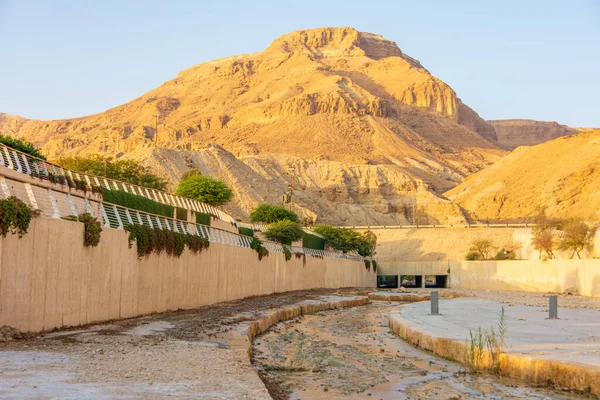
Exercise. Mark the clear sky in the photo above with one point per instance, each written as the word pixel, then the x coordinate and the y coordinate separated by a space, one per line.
pixel 536 59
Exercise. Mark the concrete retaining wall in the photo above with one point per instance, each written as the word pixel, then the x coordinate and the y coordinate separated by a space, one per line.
pixel 528 275
pixel 48 279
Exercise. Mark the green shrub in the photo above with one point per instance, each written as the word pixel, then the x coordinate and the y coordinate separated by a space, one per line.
pixel 472 256
pixel 92 230
pixel 269 213
pixel 22 145
pixel 257 246
pixel 15 216
pixel 374 263
pixel 137 202
pixel 149 240
pixel 245 231
pixel 284 232
pixel 367 264
pixel 504 254
pixel 205 189
pixel 345 240
pixel 203 218
pixel 181 213
pixel 129 171
pixel 311 241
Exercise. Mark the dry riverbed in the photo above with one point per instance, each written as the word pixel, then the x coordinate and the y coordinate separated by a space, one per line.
pixel 185 354
pixel 351 354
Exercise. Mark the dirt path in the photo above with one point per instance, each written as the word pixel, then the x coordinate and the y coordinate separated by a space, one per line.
pixel 351 354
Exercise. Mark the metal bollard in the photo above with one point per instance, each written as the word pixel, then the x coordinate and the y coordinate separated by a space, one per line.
pixel 434 303
pixel 553 307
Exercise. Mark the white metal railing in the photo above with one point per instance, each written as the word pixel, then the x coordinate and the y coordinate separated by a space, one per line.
pixel 63 204
pixel 253 226
pixel 30 165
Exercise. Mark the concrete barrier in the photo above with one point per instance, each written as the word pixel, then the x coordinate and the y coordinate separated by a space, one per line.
pixel 49 279
pixel 582 276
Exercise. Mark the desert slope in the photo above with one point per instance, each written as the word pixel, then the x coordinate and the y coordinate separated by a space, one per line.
pixel 562 174
pixel 346 102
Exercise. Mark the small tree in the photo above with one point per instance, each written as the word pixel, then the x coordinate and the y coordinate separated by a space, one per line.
pixel 205 189
pixel 578 236
pixel 284 232
pixel 269 213
pixel 345 240
pixel 367 243
pixel 543 241
pixel 483 247
pixel 22 145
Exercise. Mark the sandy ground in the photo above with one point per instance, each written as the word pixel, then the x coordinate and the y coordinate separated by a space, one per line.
pixel 183 355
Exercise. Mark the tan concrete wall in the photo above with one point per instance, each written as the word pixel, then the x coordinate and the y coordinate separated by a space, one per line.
pixel 48 279
pixel 435 244
pixel 528 252
pixel 528 275
pixel 413 267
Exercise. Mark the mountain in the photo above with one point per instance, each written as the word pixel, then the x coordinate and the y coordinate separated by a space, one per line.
pixel 562 174
pixel 372 126
pixel 513 133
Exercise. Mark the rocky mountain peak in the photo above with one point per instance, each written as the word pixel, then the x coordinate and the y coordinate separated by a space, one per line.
pixel 328 42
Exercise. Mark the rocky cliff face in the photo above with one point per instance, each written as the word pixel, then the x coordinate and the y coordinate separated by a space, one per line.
pixel 513 133
pixel 334 96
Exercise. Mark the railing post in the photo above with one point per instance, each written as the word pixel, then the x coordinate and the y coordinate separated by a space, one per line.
pixel 104 215
pixel 435 303
pixel 56 214
pixel 553 307
pixel 118 217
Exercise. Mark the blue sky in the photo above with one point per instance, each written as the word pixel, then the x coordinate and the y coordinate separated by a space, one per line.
pixel 506 59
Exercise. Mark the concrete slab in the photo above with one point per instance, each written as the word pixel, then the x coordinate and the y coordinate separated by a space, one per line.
pixel 564 353
pixel 575 337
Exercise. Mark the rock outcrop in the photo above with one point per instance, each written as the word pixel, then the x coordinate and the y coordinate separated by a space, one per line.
pixel 513 133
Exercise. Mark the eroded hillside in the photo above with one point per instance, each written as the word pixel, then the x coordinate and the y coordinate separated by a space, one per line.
pixel 562 174
pixel 348 104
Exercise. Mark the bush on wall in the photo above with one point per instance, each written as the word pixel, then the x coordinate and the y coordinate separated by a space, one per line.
pixel 311 241
pixel 203 218
pixel 245 231
pixel 152 240
pixel 181 213
pixel 257 246
pixel 137 202
pixel 92 230
pixel 15 216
